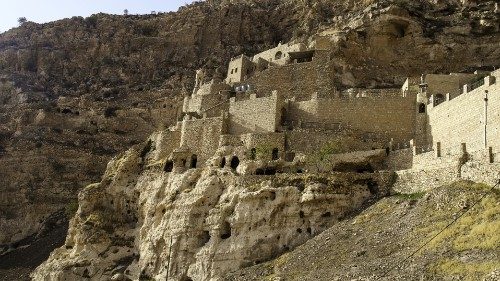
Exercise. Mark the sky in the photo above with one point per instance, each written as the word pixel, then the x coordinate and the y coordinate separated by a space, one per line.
pixel 42 11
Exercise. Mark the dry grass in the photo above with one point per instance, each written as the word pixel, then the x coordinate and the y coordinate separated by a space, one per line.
pixel 467 271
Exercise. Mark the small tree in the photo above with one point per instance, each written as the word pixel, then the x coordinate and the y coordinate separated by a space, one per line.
pixel 125 12
pixel 21 20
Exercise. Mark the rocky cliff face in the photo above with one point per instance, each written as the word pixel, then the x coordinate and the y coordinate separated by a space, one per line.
pixel 73 93
pixel 140 222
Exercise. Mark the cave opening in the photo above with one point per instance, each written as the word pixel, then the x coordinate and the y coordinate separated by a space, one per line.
pixel 235 162
pixel 253 153
pixel 194 161
pixel 225 231
pixel 270 171
pixel 169 166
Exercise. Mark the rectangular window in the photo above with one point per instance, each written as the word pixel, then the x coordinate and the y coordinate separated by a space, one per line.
pixel 236 70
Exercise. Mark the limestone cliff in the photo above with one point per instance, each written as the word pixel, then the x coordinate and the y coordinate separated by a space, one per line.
pixel 140 222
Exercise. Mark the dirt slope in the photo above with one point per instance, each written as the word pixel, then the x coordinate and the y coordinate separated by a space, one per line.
pixel 381 237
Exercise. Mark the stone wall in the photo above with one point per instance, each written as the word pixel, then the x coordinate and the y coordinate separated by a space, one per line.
pixel 212 88
pixel 385 117
pixel 264 144
pixel 429 171
pixel 298 80
pixel 255 114
pixel 375 93
pixel 482 167
pixel 462 120
pixel 201 136
pixel 279 54
pixel 400 159
pixel 208 96
pixel 311 142
pixel 165 142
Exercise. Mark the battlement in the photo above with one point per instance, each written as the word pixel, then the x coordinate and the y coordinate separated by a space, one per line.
pixel 471 117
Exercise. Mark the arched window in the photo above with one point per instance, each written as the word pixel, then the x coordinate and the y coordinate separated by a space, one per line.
pixel 278 55
pixel 194 161
pixel 235 162
pixel 421 108
pixel 276 154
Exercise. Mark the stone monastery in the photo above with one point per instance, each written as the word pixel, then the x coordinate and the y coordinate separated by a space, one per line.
pixel 280 112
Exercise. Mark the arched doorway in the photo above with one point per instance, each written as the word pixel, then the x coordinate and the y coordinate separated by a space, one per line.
pixel 194 161
pixel 421 108
pixel 278 55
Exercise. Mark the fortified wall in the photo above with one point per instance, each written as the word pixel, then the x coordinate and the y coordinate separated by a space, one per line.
pixel 463 139
pixel 298 79
pixel 255 114
pixel 280 112
pixel 472 118
pixel 242 67
pixel 384 118
pixel 206 97
pixel 201 136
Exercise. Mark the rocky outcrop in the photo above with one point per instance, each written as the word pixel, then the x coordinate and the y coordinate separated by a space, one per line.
pixel 141 222
pixel 76 92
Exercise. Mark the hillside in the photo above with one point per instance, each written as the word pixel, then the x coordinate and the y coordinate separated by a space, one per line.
pixel 367 246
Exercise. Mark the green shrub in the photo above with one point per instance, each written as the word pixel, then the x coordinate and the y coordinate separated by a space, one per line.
pixel 70 209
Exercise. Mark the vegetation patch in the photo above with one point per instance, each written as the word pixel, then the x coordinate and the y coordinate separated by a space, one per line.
pixel 479 227
pixel 70 209
pixel 466 271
